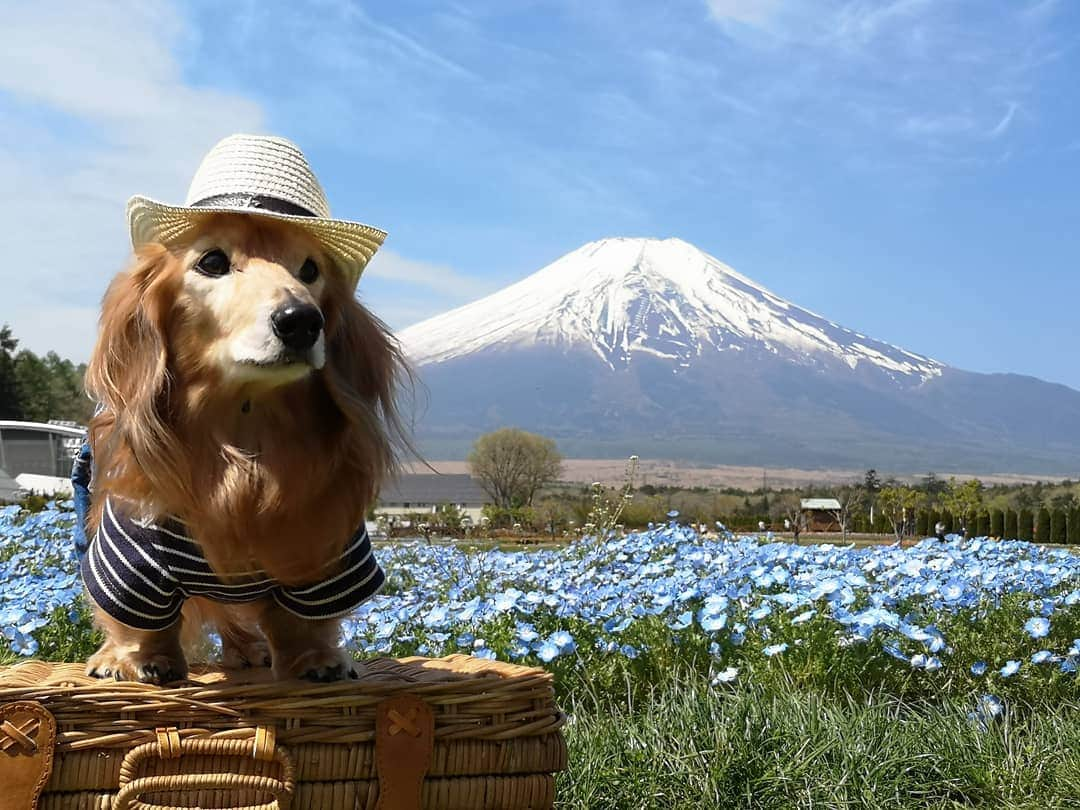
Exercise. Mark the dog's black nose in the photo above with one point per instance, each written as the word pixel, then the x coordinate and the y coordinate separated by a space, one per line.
pixel 298 325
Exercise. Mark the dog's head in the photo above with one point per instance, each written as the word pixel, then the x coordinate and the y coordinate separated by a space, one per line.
pixel 246 310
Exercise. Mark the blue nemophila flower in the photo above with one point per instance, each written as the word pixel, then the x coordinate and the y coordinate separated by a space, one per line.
pixel 725 676
pixel 1010 669
pixel 775 649
pixel 548 652
pixel 1037 627
pixel 804 617
pixel 564 641
pixel 1042 657
pixel 978 668
pixel 713 624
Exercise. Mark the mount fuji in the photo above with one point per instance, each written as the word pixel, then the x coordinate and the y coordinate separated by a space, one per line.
pixel 654 347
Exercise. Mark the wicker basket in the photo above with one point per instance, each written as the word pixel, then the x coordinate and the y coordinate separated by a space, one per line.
pixel 455 732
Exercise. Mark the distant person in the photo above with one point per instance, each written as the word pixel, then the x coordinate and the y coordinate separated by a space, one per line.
pixel 939 530
pixel 761 525
pixel 787 525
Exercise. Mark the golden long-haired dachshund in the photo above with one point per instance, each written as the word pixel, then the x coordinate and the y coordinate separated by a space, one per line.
pixel 247 418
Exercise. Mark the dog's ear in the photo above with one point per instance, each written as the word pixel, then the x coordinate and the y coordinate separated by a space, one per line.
pixel 365 373
pixel 128 375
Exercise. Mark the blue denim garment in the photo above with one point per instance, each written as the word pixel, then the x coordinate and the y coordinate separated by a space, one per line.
pixel 81 473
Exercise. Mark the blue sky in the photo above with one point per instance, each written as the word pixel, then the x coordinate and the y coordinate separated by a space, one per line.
pixel 908 168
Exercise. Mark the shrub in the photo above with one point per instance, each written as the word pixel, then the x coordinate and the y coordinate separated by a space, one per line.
pixel 1025 525
pixel 922 524
pixel 932 521
pixel 1073 530
pixel 997 523
pixel 1058 527
pixel 948 520
pixel 1012 525
pixel 1042 526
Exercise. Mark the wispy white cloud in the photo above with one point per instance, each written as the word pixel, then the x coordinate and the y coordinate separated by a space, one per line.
pixel 1002 125
pixel 95 108
pixel 749 12
pixel 441 279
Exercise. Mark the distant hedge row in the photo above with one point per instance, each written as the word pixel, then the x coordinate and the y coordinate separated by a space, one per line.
pixel 1042 526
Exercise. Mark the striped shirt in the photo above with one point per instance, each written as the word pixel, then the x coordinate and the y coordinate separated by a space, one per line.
pixel 141 573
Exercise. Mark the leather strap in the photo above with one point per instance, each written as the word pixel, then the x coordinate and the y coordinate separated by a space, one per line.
pixel 404 740
pixel 27 739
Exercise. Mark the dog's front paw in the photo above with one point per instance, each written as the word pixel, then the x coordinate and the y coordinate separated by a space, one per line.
pixel 323 666
pixel 157 669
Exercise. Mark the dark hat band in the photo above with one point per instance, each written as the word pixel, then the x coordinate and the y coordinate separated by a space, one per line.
pixel 256 202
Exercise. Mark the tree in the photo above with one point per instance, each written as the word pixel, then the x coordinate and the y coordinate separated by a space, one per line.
pixel 962 499
pixel 1012 525
pixel 849 499
pixel 983 524
pixel 1058 528
pixel 1042 526
pixel 997 523
pixel 899 505
pixel 9 391
pixel 1025 529
pixel 922 524
pixel 871 486
pixel 1073 530
pixel 512 465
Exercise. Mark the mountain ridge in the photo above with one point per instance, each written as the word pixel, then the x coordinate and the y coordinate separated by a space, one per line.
pixel 656 348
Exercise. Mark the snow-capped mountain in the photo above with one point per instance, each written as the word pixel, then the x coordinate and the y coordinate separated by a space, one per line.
pixel 666 298
pixel 653 347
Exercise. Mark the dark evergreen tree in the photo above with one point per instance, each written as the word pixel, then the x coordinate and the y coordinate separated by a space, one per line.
pixel 1042 526
pixel 1073 529
pixel 1025 525
pixel 1012 525
pixel 982 524
pixel 1058 527
pixel 997 523
pixel 922 524
pixel 947 519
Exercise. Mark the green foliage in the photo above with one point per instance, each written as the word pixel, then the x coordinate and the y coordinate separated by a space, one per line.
pixel 997 523
pixel 982 524
pixel 1073 529
pixel 513 465
pixel 1012 525
pixel 1025 529
pixel 950 523
pixel 1058 527
pixel 898 506
pixel 37 389
pixel 768 745
pixel 1042 526
pixel 933 520
pixel 922 524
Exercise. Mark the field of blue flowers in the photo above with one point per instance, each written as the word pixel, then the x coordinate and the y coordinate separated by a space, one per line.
pixel 718 671
pixel 964 616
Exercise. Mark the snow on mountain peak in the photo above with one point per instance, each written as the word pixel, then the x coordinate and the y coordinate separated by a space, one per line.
pixel 619 297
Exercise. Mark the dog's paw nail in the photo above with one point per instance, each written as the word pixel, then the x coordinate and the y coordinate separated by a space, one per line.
pixel 325 674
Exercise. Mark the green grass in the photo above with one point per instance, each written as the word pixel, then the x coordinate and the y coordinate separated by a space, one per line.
pixel 781 745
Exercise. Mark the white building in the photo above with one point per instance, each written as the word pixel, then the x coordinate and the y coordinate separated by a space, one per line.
pixel 424 493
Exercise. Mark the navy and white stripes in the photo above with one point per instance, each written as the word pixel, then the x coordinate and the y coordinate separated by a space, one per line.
pixel 140 575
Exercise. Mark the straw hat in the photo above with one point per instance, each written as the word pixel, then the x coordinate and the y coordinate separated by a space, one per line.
pixel 261 176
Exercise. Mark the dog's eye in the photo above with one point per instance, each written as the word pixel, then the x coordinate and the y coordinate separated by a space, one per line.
pixel 309 271
pixel 213 263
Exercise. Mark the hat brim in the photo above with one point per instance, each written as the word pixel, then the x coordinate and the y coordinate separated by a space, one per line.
pixel 350 244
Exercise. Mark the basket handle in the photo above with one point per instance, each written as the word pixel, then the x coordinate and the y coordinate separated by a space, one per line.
pixel 168 745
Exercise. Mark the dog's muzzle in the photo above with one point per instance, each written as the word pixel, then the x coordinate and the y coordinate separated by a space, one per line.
pixel 297 325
